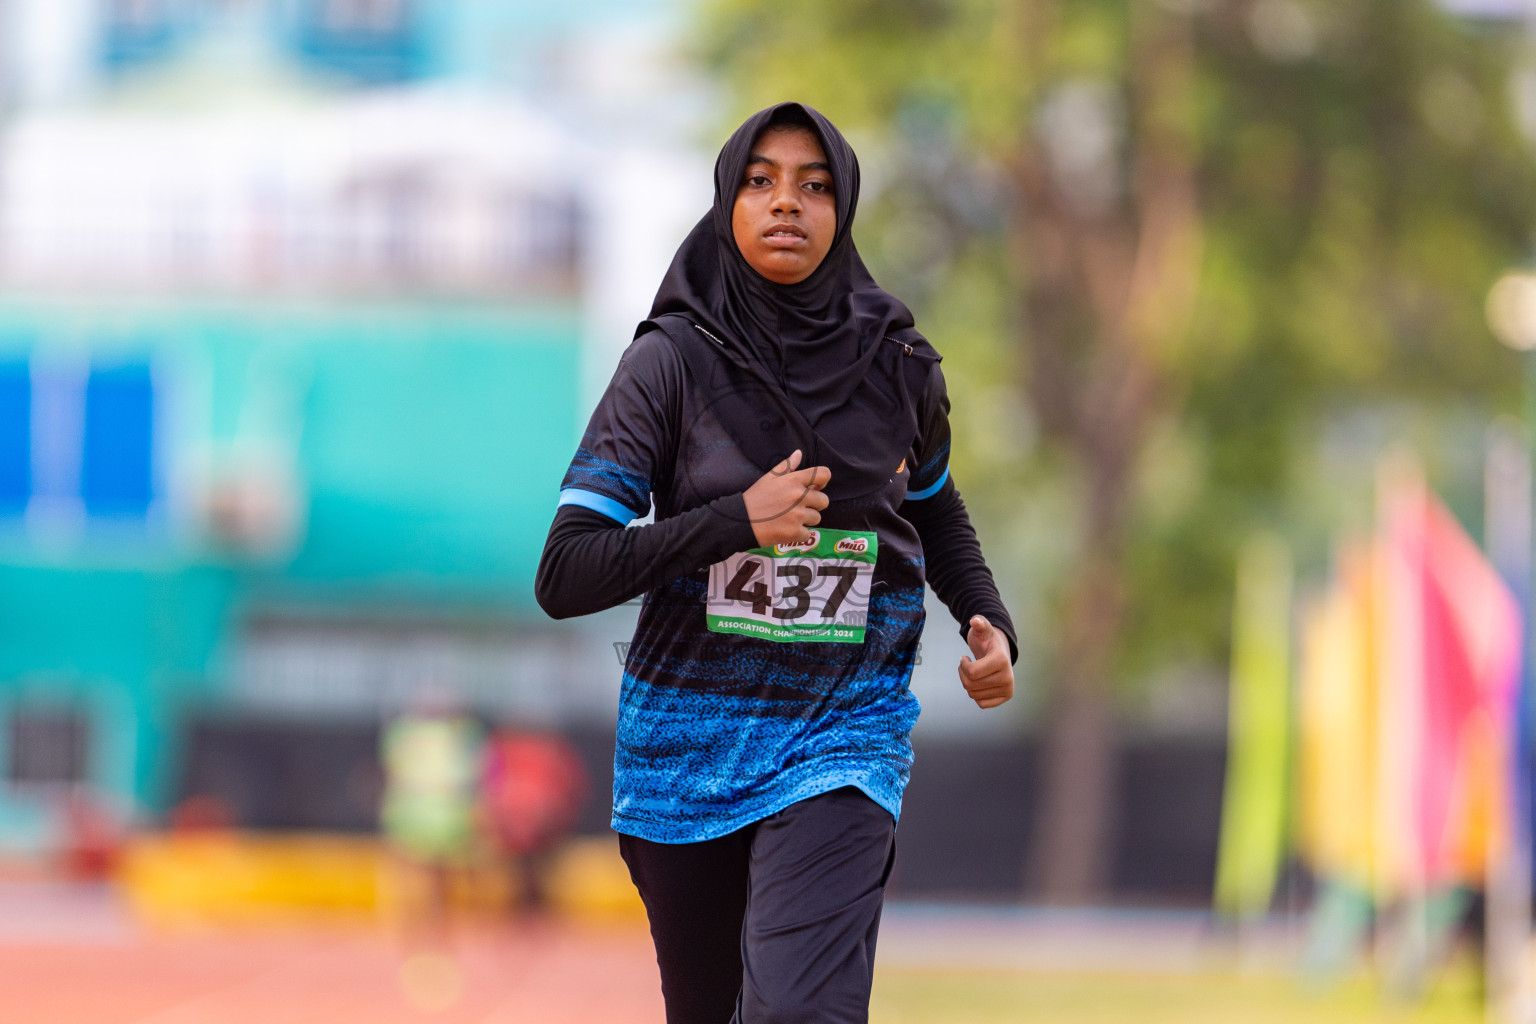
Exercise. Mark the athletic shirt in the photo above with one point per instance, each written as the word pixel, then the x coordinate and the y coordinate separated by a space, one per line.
pixel 717 730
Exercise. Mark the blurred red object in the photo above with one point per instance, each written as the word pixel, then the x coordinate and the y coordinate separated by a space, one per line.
pixel 202 813
pixel 93 838
pixel 531 791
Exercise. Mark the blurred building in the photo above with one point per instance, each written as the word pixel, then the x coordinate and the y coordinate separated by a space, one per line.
pixel 301 307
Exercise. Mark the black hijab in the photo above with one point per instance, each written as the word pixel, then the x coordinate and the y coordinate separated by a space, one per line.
pixel 832 365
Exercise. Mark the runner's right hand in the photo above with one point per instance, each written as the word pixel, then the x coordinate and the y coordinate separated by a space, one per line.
pixel 787 501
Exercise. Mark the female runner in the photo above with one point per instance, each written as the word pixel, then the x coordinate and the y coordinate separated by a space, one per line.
pixel 791 426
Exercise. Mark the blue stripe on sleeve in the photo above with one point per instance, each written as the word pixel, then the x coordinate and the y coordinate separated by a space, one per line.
pixel 597 503
pixel 928 492
pixel 591 472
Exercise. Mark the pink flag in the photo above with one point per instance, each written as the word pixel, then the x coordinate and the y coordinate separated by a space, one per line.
pixel 1458 638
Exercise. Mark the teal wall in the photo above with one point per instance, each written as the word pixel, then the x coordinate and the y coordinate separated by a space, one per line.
pixel 128 649
pixel 431 463
pixel 430 440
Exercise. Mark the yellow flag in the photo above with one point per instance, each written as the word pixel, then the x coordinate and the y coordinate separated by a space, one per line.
pixel 1337 760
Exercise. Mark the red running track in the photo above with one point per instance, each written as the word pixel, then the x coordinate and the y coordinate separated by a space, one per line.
pixel 554 973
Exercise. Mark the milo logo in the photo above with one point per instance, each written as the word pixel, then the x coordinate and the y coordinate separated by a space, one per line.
pixel 852 545
pixel 803 545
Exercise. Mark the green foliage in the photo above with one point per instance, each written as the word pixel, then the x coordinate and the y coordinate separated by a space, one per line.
pixel 1362 182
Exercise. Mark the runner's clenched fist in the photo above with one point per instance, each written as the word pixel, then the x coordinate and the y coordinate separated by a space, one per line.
pixel 787 501
pixel 989 678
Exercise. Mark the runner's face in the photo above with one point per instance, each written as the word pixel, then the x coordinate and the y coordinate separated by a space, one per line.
pixel 785 213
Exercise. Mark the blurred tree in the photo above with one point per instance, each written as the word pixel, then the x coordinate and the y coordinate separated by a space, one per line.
pixel 1197 235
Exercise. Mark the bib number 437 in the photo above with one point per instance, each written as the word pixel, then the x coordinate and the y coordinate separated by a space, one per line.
pixel 816 591
pixel 799 591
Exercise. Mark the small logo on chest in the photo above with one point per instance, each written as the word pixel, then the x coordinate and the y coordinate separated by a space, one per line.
pixel 803 545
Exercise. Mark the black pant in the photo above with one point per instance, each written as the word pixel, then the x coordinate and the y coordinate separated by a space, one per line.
pixel 774 923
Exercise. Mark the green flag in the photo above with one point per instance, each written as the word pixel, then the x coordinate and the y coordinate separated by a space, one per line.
pixel 1253 816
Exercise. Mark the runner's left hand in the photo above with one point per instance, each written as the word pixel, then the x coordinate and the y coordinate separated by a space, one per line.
pixel 989 678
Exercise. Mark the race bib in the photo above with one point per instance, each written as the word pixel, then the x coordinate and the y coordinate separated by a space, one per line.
pixel 815 591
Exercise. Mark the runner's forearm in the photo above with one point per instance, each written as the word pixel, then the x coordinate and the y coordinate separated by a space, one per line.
pixel 590 562
pixel 954 565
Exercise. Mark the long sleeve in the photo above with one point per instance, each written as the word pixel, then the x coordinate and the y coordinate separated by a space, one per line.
pixel 953 563
pixel 952 558
pixel 591 559
pixel 591 562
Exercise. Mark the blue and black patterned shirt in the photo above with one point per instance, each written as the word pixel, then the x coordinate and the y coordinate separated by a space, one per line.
pixel 718 730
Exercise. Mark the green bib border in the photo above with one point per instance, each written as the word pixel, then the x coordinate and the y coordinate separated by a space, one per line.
pixel 827 633
pixel 826 543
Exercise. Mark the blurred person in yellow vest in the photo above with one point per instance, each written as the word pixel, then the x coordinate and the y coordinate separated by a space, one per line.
pixel 432 762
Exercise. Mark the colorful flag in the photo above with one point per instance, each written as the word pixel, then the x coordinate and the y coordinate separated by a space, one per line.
pixel 1407 723
pixel 1456 661
pixel 1336 770
pixel 1253 824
